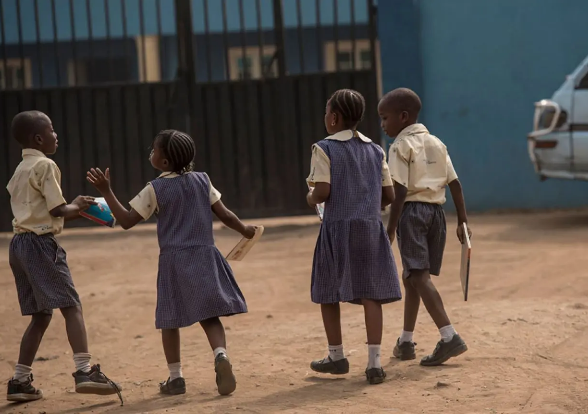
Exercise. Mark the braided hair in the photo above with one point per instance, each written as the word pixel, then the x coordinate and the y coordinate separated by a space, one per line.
pixel 179 148
pixel 350 104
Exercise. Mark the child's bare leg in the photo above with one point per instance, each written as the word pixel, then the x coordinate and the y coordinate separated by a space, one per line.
pixel 75 329
pixel 332 322
pixel 32 337
pixel 175 385
pixel 215 332
pixel 374 323
pixel 412 301
pixel 421 280
pixel 451 344
pixel 335 362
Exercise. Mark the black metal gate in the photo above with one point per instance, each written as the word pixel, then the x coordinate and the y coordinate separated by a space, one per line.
pixel 252 95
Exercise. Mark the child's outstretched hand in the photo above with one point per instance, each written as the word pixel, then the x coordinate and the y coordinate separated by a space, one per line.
pixel 461 233
pixel 249 231
pixel 100 180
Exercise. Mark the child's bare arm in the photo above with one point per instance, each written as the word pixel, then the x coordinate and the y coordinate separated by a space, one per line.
pixel 459 201
pixel 387 196
pixel 124 217
pixel 232 221
pixel 72 211
pixel 319 194
pixel 396 209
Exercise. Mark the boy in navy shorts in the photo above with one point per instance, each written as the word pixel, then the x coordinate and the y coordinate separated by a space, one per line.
pixel 420 168
pixel 42 276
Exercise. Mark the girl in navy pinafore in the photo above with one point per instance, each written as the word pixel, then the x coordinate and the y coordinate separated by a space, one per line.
pixel 353 260
pixel 194 283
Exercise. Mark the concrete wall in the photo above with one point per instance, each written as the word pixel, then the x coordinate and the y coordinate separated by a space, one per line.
pixel 479 66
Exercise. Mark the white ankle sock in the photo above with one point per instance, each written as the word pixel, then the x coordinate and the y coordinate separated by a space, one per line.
pixel 22 372
pixel 175 371
pixel 219 350
pixel 82 361
pixel 336 352
pixel 406 336
pixel 447 333
pixel 374 356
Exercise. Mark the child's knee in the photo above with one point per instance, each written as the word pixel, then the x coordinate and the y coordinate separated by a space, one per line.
pixel 41 320
pixel 72 312
pixel 211 322
pixel 419 279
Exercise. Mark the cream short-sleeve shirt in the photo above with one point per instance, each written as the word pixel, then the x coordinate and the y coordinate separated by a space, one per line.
pixel 145 203
pixel 35 190
pixel 320 164
pixel 420 162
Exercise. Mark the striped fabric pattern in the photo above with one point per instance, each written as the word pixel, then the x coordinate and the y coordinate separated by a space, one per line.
pixel 42 276
pixel 194 281
pixel 353 258
pixel 421 236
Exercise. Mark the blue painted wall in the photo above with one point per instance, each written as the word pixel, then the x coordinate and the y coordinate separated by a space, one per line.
pixel 479 66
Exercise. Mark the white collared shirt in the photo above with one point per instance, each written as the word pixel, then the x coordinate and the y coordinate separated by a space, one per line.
pixel 35 190
pixel 145 203
pixel 320 163
pixel 420 162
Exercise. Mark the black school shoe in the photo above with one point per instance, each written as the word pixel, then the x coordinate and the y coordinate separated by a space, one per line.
pixel 173 387
pixel 329 366
pixel 225 379
pixel 23 391
pixel 404 351
pixel 444 351
pixel 96 383
pixel 375 376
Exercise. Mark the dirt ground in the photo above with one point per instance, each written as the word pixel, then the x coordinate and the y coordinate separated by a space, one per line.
pixel 526 325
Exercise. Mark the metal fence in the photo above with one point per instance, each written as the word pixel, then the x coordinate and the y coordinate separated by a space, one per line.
pixel 248 79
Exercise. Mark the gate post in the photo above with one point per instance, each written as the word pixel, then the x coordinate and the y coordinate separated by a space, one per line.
pixel 279 34
pixel 186 75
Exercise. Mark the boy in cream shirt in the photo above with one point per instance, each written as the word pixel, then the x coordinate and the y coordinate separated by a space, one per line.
pixel 421 168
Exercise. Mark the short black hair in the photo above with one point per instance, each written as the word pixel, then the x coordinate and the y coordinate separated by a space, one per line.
pixel 403 99
pixel 179 149
pixel 350 104
pixel 27 124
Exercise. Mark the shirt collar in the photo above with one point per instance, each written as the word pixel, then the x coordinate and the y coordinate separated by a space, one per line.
pixel 168 174
pixel 347 135
pixel 417 128
pixel 32 152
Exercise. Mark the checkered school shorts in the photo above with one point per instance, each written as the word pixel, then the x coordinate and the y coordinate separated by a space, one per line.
pixel 421 237
pixel 42 277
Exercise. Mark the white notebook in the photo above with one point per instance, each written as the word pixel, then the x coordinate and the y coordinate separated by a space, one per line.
pixel 320 208
pixel 464 271
pixel 243 247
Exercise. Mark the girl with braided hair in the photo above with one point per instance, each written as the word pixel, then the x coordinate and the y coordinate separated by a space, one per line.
pixel 194 283
pixel 353 259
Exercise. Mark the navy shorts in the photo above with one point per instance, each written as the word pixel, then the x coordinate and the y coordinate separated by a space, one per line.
pixel 421 237
pixel 42 277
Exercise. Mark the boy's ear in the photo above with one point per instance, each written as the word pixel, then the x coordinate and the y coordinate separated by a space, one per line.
pixel 38 139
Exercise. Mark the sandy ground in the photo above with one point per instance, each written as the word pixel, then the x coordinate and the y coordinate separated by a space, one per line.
pixel 526 325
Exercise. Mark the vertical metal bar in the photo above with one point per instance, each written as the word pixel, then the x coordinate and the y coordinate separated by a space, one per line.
pixel 300 37
pixel 354 63
pixel 4 55
pixel 108 41
pixel 243 40
pixel 260 38
pixel 159 41
pixel 226 40
pixel 21 46
pixel 319 37
pixel 207 41
pixel 336 32
pixel 279 37
pixel 143 50
pixel 92 106
pixel 55 45
pixel 125 40
pixel 73 42
pixel 186 63
pixel 90 39
pixel 373 33
pixel 39 55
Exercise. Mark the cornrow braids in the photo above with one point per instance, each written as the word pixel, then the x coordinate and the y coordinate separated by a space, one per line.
pixel 350 104
pixel 179 148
